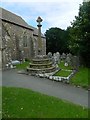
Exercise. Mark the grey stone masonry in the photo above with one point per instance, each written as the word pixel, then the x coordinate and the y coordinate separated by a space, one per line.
pixel 19 39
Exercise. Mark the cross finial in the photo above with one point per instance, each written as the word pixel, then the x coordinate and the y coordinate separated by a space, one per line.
pixel 39 20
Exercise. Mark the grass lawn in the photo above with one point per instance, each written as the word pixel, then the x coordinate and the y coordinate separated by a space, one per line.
pixel 24 103
pixel 22 65
pixel 0 102
pixel 81 78
pixel 63 73
pixel 62 66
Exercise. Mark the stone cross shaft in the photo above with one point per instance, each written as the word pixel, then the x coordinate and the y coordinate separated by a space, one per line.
pixel 39 20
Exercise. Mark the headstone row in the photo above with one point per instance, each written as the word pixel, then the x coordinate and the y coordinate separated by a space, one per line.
pixel 68 59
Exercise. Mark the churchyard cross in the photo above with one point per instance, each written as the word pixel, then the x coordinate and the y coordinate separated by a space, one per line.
pixel 39 20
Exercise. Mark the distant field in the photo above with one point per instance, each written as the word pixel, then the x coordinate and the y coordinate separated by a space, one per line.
pixel 24 103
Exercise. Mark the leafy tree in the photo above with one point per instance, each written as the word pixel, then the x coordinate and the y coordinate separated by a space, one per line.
pixel 80 33
pixel 56 40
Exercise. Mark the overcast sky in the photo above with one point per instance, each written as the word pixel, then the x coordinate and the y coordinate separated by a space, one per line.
pixel 55 13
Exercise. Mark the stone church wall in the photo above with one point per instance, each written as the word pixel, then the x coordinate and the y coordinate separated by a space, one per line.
pixel 19 43
pixel 19 40
pixel 16 41
pixel 0 45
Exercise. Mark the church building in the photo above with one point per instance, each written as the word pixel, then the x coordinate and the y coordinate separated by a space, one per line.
pixel 18 40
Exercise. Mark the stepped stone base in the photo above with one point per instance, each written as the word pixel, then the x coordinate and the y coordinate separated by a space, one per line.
pixel 41 64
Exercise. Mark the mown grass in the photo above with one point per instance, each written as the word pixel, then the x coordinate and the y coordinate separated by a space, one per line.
pixel 23 65
pixel 0 102
pixel 81 78
pixel 63 73
pixel 24 103
pixel 62 66
pixel 64 70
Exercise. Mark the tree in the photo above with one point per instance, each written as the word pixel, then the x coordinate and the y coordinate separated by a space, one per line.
pixel 80 33
pixel 56 40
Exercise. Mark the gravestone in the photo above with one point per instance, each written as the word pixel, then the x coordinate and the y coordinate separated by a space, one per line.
pixel 63 57
pixel 58 57
pixel 49 55
pixel 75 62
pixel 54 58
pixel 68 59
pixel 69 55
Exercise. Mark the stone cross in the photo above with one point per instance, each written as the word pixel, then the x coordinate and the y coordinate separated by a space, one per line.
pixel 39 20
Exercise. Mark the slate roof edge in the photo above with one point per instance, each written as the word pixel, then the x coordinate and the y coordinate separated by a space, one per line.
pixel 16 24
pixel 25 25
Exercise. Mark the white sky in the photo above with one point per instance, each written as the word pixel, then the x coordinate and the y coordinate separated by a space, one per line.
pixel 55 13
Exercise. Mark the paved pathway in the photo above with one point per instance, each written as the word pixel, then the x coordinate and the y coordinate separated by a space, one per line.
pixel 43 85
